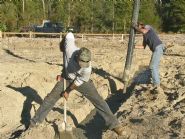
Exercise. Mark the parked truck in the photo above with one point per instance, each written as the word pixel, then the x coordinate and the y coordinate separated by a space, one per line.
pixel 46 27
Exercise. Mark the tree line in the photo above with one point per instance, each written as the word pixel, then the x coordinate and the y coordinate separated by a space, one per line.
pixel 93 16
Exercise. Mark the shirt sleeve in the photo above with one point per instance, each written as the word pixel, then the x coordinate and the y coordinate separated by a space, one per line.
pixel 84 76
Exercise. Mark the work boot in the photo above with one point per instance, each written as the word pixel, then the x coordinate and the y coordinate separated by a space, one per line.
pixel 32 124
pixel 120 130
pixel 28 130
pixel 158 89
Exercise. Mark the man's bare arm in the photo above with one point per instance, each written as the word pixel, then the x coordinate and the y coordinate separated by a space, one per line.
pixel 66 92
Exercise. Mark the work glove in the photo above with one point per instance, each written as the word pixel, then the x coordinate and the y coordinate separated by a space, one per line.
pixel 59 78
pixel 65 95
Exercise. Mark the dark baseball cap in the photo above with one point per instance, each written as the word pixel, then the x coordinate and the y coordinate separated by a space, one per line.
pixel 84 57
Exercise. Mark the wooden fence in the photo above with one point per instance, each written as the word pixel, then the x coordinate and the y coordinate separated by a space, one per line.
pixel 83 36
pixel 59 35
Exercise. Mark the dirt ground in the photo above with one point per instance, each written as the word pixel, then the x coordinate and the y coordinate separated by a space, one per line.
pixel 28 68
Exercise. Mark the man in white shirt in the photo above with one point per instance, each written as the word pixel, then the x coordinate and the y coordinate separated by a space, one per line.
pixel 77 71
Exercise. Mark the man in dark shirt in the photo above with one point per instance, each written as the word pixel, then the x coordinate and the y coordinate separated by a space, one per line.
pixel 151 39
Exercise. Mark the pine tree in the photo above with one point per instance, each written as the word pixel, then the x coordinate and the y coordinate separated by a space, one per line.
pixel 177 16
pixel 149 14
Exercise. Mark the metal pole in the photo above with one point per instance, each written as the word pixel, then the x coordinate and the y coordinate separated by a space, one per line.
pixel 128 62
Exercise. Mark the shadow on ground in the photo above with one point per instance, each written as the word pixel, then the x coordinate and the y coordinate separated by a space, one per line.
pixel 93 126
pixel 23 58
pixel 17 56
pixel 31 96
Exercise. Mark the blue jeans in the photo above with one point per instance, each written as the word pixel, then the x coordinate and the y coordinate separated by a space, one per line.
pixel 154 64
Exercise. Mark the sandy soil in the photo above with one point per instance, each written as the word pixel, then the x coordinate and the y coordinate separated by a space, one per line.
pixel 28 68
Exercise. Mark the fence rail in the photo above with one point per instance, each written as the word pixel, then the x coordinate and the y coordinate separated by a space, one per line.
pixel 59 35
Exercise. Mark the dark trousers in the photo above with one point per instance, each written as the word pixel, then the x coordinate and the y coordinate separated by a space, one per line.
pixel 89 91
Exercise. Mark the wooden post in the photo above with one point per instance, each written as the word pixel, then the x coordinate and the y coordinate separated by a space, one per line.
pixel 1 34
pixel 30 34
pixel 4 34
pixel 122 37
pixel 128 63
pixel 82 37
pixel 60 36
